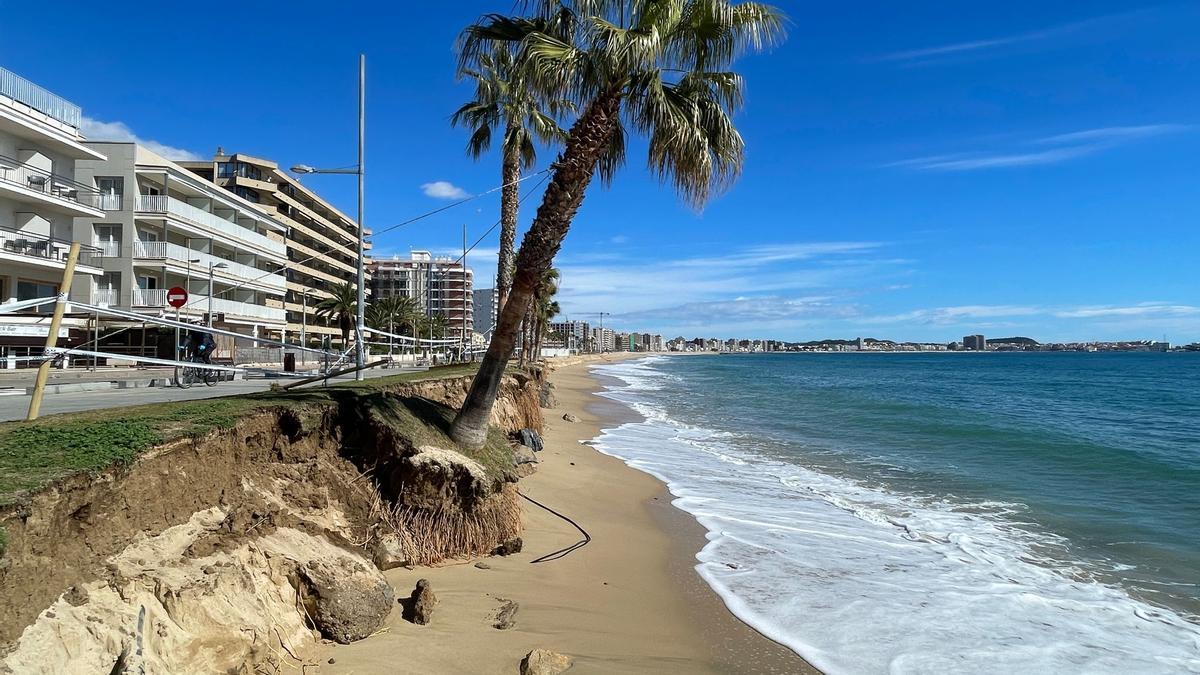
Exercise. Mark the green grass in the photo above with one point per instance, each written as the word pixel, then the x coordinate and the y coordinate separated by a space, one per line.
pixel 33 454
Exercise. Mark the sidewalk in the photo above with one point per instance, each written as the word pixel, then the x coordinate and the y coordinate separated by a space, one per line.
pixel 15 405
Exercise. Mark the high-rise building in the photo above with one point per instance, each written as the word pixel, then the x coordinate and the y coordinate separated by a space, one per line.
pixel 575 334
pixel 486 311
pixel 975 343
pixel 441 285
pixel 163 226
pixel 322 242
pixel 40 197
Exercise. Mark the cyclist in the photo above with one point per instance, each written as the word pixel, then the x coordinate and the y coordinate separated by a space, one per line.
pixel 200 345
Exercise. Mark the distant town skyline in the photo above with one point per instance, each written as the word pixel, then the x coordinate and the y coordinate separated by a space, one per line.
pixel 930 171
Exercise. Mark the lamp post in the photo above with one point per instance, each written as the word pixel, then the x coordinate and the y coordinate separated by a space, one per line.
pixel 304 321
pixel 360 357
pixel 212 266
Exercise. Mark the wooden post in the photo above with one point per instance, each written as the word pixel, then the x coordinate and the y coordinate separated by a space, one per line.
pixel 64 291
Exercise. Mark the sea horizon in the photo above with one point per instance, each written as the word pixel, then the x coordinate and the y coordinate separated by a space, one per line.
pixel 896 514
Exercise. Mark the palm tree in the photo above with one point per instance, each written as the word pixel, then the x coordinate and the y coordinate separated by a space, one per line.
pixel 659 67
pixel 534 322
pixel 342 307
pixel 505 100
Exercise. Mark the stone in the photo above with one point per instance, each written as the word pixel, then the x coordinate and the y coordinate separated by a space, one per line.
pixel 523 454
pixel 546 397
pixel 544 662
pixel 482 565
pixel 76 595
pixel 421 603
pixel 389 554
pixel 570 418
pixel 346 599
pixel 506 617
pixel 531 438
pixel 509 547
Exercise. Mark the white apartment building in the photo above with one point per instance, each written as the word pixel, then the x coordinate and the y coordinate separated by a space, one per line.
pixel 40 197
pixel 162 226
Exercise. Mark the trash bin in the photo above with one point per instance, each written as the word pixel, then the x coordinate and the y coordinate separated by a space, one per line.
pixel 289 362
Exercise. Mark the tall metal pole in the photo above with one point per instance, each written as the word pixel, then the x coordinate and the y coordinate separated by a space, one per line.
pixel 362 120
pixel 303 322
pixel 210 292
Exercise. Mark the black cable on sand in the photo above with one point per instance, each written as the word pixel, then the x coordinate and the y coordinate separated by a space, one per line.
pixel 561 553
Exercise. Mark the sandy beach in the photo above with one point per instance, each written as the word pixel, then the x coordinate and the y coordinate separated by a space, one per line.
pixel 627 602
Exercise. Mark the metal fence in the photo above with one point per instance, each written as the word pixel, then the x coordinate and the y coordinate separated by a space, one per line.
pixel 18 88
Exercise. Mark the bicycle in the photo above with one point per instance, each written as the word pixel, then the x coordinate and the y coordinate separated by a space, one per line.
pixel 186 376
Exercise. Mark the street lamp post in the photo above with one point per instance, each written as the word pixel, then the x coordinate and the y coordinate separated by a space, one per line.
pixel 359 355
pixel 212 266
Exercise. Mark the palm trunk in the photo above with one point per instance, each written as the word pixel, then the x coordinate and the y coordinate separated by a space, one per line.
pixel 561 201
pixel 510 204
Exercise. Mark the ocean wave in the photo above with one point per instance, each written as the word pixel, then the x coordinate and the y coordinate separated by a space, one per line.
pixel 857 579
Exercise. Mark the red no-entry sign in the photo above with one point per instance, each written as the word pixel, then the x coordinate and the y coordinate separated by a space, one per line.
pixel 177 297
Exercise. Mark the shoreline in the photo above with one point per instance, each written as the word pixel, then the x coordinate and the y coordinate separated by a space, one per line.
pixel 630 601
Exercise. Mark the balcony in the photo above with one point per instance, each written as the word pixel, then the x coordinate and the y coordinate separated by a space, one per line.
pixel 207 222
pixel 43 249
pixel 241 273
pixel 108 249
pixel 19 89
pixel 198 304
pixel 105 296
pixel 29 183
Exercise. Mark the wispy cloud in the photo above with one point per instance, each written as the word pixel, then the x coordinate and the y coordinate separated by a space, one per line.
pixel 970 46
pixel 443 189
pixel 1072 145
pixel 95 130
pixel 1143 310
pixel 1041 38
pixel 757 312
pixel 758 276
pixel 953 316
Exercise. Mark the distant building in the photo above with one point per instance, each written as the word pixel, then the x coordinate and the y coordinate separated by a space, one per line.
pixel 484 302
pixel 975 343
pixel 442 286
pixel 862 344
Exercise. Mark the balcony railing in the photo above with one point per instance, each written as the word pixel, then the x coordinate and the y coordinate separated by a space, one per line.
pixel 108 249
pixel 165 250
pixel 111 202
pixel 18 88
pixel 169 205
pixel 106 296
pixel 30 177
pixel 35 245
pixel 199 304
pixel 148 297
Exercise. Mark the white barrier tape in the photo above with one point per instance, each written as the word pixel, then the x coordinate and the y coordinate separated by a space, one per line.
pixel 26 304
pixel 190 326
pixel 404 338
pixel 147 359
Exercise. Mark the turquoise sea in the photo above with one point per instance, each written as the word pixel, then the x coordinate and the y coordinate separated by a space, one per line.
pixel 933 513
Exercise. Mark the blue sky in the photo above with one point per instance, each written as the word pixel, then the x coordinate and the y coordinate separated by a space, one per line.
pixel 916 170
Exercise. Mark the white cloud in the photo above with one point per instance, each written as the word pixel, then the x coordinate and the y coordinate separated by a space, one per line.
pixel 951 316
pixel 442 189
pixel 1148 309
pixel 1040 38
pixel 1074 145
pixel 95 130
pixel 777 271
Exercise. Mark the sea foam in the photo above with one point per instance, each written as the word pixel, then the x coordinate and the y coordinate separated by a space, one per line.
pixel 859 580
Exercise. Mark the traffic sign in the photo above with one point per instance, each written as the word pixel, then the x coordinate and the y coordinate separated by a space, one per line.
pixel 177 297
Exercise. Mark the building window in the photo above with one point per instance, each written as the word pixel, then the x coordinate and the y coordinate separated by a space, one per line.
pixel 239 169
pixel 246 193
pixel 28 290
